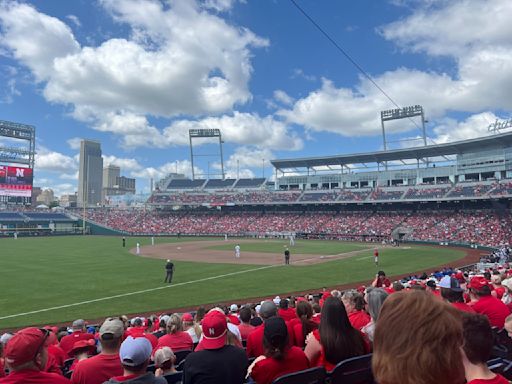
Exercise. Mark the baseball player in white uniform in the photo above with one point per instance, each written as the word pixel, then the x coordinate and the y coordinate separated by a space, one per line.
pixel 237 251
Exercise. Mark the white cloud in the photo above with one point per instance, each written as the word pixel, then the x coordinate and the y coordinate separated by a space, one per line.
pixel 240 128
pixel 283 97
pixel 125 164
pixel 74 143
pixel 178 166
pixel 74 19
pixel 33 38
pixel 219 5
pixel 48 160
pixel 299 73
pixel 449 130
pixel 475 34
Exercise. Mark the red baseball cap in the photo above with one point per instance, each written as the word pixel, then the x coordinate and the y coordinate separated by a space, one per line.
pixel 187 317
pixel 215 329
pixel 478 282
pixel 25 345
pixel 89 345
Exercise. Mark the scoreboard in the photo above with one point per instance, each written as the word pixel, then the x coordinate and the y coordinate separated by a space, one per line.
pixel 15 181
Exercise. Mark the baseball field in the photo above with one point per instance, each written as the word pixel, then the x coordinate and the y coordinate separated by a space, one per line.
pixel 57 279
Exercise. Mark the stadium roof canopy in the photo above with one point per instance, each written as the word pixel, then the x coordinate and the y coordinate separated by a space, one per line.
pixel 497 141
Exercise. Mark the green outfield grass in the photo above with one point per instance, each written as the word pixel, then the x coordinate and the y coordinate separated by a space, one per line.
pixel 314 247
pixel 39 273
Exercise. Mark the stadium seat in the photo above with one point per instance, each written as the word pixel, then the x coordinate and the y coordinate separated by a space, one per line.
pixel 181 355
pixel 151 368
pixel 180 365
pixel 67 365
pixel 308 376
pixel 174 378
pixel 68 374
pixel 356 370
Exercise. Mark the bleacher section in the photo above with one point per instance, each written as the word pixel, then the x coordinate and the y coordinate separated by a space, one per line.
pixel 185 184
pixel 249 183
pixel 219 184
pixel 36 223
pixel 217 193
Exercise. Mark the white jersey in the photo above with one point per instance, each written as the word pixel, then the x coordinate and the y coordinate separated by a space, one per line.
pixel 237 251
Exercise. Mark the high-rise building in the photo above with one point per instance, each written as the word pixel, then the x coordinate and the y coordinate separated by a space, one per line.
pixel 115 184
pixel 90 173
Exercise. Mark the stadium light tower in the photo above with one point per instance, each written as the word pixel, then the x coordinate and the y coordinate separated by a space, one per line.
pixel 205 133
pixel 403 113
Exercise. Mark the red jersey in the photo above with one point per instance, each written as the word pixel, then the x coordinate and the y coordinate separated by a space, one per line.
pixel 463 307
pixel 179 341
pixel 245 330
pixel 266 370
pixel 359 319
pixel 67 342
pixel 500 291
pixel 495 310
pixel 298 337
pixel 287 314
pixel 233 319
pixel 496 380
pixel 255 342
pixel 97 369
pixel 139 332
pixel 31 376
pixel 58 353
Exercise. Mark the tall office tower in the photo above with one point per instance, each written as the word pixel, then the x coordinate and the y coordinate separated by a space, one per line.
pixel 110 175
pixel 90 173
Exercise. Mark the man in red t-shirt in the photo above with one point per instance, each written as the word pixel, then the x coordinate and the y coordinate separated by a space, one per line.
pixel 232 315
pixel 67 342
pixel 102 367
pixel 284 312
pixel 26 354
pixel 483 302
pixel 476 350
pixel 245 327
pixel 255 339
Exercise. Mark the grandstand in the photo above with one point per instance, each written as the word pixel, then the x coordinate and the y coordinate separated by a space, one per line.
pixel 30 223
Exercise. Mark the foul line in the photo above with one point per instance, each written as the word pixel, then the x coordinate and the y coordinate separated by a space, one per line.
pixel 137 292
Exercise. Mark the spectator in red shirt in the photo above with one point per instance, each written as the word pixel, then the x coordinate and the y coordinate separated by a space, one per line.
pixel 176 338
pixel 67 342
pixel 134 355
pixel 306 325
pixel 336 339
pixel 82 350
pixel 279 359
pixel 26 354
pixel 483 302
pixel 140 330
pixel 418 339
pixel 499 289
pixel 354 304
pixel 245 327
pixel 285 312
pixel 381 281
pixel 476 350
pixel 452 293
pixel 255 339
pixel 233 314
pixel 102 367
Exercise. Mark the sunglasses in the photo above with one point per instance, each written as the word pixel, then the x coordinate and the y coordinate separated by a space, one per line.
pixel 46 333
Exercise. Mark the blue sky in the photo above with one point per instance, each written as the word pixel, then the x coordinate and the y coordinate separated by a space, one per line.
pixel 136 75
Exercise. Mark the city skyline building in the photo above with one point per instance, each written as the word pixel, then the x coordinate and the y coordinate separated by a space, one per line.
pixel 90 173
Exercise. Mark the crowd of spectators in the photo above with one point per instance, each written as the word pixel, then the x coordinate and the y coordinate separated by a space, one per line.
pixel 446 337
pixel 479 227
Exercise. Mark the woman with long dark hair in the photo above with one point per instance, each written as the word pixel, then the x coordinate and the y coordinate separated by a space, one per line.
pixel 306 326
pixel 335 340
pixel 279 359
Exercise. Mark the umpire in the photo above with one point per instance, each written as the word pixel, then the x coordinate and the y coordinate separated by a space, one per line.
pixel 169 269
pixel 287 256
